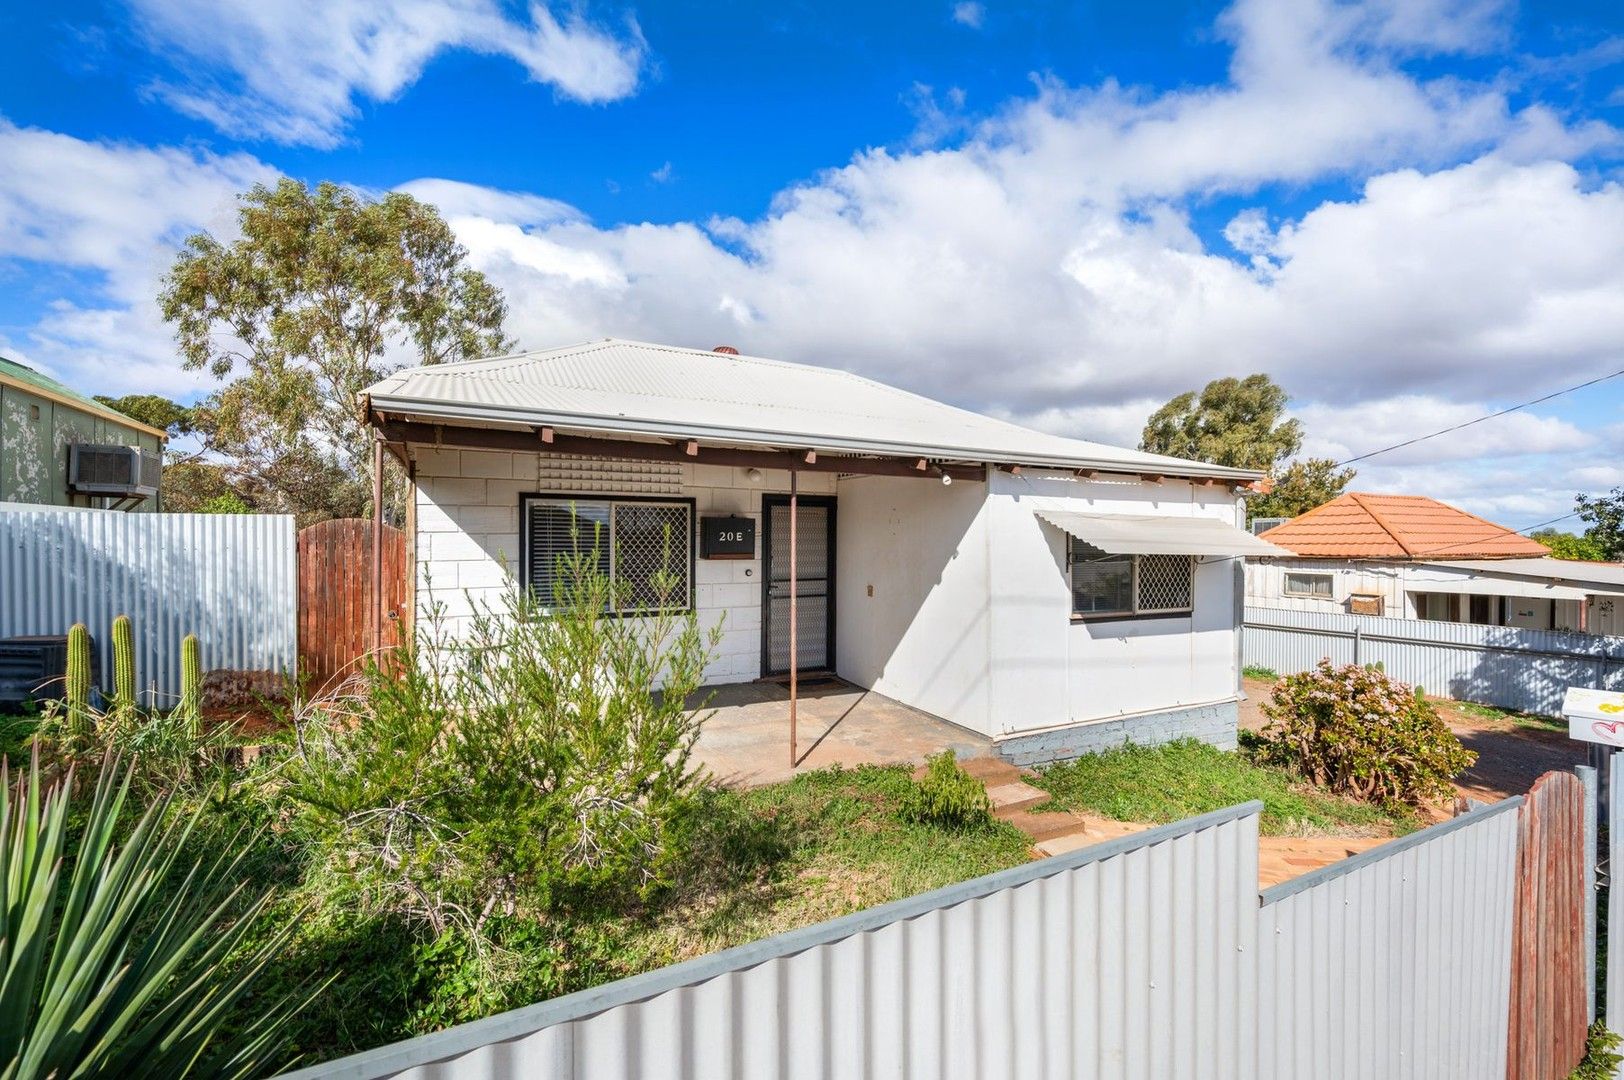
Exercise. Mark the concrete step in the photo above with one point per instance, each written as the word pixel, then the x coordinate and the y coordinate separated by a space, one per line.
pixel 989 770
pixel 1087 834
pixel 1013 797
pixel 1044 826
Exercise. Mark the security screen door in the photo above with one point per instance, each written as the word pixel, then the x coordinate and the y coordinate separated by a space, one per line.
pixel 815 581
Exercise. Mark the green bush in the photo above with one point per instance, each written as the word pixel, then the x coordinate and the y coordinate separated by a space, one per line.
pixel 947 796
pixel 1601 1060
pixel 1354 730
pixel 534 761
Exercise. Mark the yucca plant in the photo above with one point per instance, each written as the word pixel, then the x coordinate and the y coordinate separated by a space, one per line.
pixel 121 970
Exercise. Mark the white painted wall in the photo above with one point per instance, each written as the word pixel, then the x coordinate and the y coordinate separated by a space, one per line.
pixel 1398 582
pixel 911 594
pixel 970 617
pixel 1047 670
pixel 467 551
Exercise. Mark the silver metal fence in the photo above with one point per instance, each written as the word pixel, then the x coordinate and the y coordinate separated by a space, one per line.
pixel 1146 957
pixel 1396 962
pixel 1495 665
pixel 231 579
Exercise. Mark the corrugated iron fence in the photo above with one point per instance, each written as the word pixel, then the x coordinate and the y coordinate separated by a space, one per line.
pixel 1147 957
pixel 228 578
pixel 1496 665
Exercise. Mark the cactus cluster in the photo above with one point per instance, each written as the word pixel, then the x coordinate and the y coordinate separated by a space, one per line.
pixel 77 692
pixel 80 708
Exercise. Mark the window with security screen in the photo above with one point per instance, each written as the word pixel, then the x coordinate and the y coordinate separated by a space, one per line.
pixel 644 546
pixel 1127 586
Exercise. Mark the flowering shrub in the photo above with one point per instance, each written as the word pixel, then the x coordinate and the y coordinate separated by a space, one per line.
pixel 1356 731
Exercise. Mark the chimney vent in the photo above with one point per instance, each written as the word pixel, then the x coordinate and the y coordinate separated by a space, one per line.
pixel 730 350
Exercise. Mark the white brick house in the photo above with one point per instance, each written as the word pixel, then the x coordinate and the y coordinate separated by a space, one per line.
pixel 1053 594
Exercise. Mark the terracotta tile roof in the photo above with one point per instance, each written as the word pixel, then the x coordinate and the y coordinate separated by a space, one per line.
pixel 1361 526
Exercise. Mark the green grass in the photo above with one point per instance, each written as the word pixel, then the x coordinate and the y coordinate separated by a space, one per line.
pixel 760 862
pixel 1176 780
pixel 1527 720
pixel 1258 671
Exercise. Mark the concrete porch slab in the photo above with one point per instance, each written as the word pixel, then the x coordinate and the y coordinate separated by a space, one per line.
pixel 745 742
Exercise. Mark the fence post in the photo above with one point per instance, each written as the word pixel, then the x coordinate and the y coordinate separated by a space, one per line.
pixel 1358 639
pixel 1614 1000
pixel 1592 834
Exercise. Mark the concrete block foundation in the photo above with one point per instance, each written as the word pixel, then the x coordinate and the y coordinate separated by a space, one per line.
pixel 1213 724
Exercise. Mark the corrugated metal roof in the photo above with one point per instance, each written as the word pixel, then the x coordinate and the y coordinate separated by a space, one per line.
pixel 1609 576
pixel 1158 534
pixel 616 387
pixel 26 378
pixel 1364 526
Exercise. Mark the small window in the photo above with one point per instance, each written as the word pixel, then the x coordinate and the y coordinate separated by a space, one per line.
pixel 1125 586
pixel 1312 586
pixel 644 547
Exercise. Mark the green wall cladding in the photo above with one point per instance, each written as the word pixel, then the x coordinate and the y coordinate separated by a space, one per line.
pixel 35 433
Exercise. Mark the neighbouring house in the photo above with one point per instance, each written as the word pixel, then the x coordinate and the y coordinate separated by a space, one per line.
pixel 1411 557
pixel 1056 595
pixel 61 448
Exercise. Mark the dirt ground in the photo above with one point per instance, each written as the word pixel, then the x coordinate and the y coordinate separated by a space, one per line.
pixel 1512 750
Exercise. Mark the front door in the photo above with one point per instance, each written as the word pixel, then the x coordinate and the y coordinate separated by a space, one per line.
pixel 814 581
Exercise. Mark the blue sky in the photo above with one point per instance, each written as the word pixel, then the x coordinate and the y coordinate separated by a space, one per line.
pixel 1408 211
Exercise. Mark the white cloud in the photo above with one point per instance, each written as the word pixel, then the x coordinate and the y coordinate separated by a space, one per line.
pixel 116 213
pixel 663 175
pixel 294 70
pixel 1043 265
pixel 969 13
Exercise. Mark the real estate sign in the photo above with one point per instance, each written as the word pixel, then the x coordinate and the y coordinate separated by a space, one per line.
pixel 1595 716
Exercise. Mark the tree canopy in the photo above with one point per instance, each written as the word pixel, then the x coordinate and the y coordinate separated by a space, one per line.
pixel 325 292
pixel 1239 422
pixel 1300 487
pixel 1566 545
pixel 1605 516
pixel 1235 422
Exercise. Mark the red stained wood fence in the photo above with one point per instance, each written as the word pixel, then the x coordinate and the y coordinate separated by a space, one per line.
pixel 336 610
pixel 1549 1006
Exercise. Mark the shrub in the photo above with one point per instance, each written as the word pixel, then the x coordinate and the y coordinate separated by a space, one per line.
pixel 1602 1059
pixel 537 758
pixel 947 796
pixel 1354 730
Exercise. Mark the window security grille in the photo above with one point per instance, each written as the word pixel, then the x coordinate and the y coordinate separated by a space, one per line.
pixel 1164 583
pixel 644 547
pixel 1129 585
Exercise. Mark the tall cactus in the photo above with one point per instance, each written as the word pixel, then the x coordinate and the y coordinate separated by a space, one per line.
pixel 124 701
pixel 191 684
pixel 77 690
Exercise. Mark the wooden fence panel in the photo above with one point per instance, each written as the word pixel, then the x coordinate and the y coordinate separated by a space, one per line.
pixel 335 597
pixel 1549 1010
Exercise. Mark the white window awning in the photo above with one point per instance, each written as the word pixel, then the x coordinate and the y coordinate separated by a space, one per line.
pixel 1146 534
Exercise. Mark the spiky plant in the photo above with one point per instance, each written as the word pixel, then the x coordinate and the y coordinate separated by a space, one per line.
pixel 191 684
pixel 121 970
pixel 123 668
pixel 76 693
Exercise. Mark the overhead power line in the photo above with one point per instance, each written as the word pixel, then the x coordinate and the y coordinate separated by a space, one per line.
pixel 1480 419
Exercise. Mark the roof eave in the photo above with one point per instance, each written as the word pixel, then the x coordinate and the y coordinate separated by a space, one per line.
pixel 607 425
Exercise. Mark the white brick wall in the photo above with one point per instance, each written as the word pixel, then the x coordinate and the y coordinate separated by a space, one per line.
pixel 468 532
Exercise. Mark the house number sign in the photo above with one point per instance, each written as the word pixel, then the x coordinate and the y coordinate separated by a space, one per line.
pixel 727 538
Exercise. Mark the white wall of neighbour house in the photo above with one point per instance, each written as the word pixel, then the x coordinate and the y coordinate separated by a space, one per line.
pixel 1398 583
pixel 467 524
pixel 1048 671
